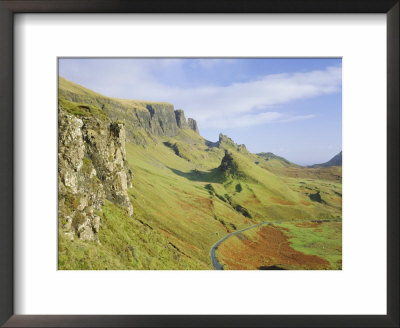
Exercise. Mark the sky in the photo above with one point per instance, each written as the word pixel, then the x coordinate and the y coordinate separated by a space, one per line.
pixel 291 107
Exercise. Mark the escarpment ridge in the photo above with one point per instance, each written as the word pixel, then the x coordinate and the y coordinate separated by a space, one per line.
pixel 156 118
pixel 140 188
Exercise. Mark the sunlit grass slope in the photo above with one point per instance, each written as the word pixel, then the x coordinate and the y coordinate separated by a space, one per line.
pixel 74 92
pixel 272 160
pixel 125 243
pixel 188 193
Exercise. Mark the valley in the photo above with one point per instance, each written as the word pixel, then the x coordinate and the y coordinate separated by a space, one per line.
pixel 170 195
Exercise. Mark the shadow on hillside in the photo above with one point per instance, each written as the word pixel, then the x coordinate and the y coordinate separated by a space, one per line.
pixel 211 144
pixel 272 267
pixel 213 175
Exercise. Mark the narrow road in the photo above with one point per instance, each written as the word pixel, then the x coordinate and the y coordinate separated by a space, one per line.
pixel 215 262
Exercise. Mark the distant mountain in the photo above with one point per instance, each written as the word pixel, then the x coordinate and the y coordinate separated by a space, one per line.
pixel 334 161
pixel 275 160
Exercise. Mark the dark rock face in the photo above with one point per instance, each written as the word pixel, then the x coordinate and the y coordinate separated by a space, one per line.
pixel 193 125
pixel 161 120
pixel 316 197
pixel 92 167
pixel 228 165
pixel 180 119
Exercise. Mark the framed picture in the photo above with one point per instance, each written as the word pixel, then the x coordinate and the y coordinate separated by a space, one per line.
pixel 181 164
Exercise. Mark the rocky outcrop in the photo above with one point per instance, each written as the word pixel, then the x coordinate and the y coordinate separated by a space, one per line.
pixel 154 118
pixel 229 166
pixel 180 119
pixel 193 125
pixel 182 124
pixel 224 140
pixel 162 121
pixel 92 167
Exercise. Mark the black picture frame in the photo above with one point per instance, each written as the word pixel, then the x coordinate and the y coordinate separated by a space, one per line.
pixel 10 7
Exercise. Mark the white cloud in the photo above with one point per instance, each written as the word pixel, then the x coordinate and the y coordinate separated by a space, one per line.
pixel 245 120
pixel 298 118
pixel 239 104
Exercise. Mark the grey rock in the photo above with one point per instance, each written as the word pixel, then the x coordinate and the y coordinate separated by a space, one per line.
pixel 92 167
pixel 157 119
pixel 193 125
pixel 180 119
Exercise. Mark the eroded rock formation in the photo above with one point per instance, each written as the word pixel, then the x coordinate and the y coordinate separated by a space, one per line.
pixel 92 167
pixel 180 119
pixel 193 125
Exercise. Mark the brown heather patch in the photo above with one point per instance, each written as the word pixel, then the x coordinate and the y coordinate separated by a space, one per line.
pixel 186 244
pixel 204 205
pixel 204 202
pixel 336 200
pixel 165 232
pixel 186 206
pixel 181 243
pixel 269 247
pixel 339 262
pixel 252 200
pixel 305 203
pixel 282 201
pixel 315 225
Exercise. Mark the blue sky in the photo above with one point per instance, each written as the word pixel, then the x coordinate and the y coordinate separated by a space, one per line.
pixel 291 107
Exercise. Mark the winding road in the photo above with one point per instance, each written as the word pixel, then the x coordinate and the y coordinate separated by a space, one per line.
pixel 215 262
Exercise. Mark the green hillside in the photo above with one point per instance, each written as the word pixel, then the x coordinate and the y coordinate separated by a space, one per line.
pixel 272 160
pixel 187 193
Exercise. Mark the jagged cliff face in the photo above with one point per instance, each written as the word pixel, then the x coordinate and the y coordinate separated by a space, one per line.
pixel 193 125
pixel 92 158
pixel 180 119
pixel 161 120
pixel 157 119
pixel 92 167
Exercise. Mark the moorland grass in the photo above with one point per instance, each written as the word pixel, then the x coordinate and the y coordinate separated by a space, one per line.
pixel 184 202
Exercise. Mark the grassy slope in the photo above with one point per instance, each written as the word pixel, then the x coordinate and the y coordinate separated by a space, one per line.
pixel 183 203
pixel 272 160
pixel 77 93
pixel 322 240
